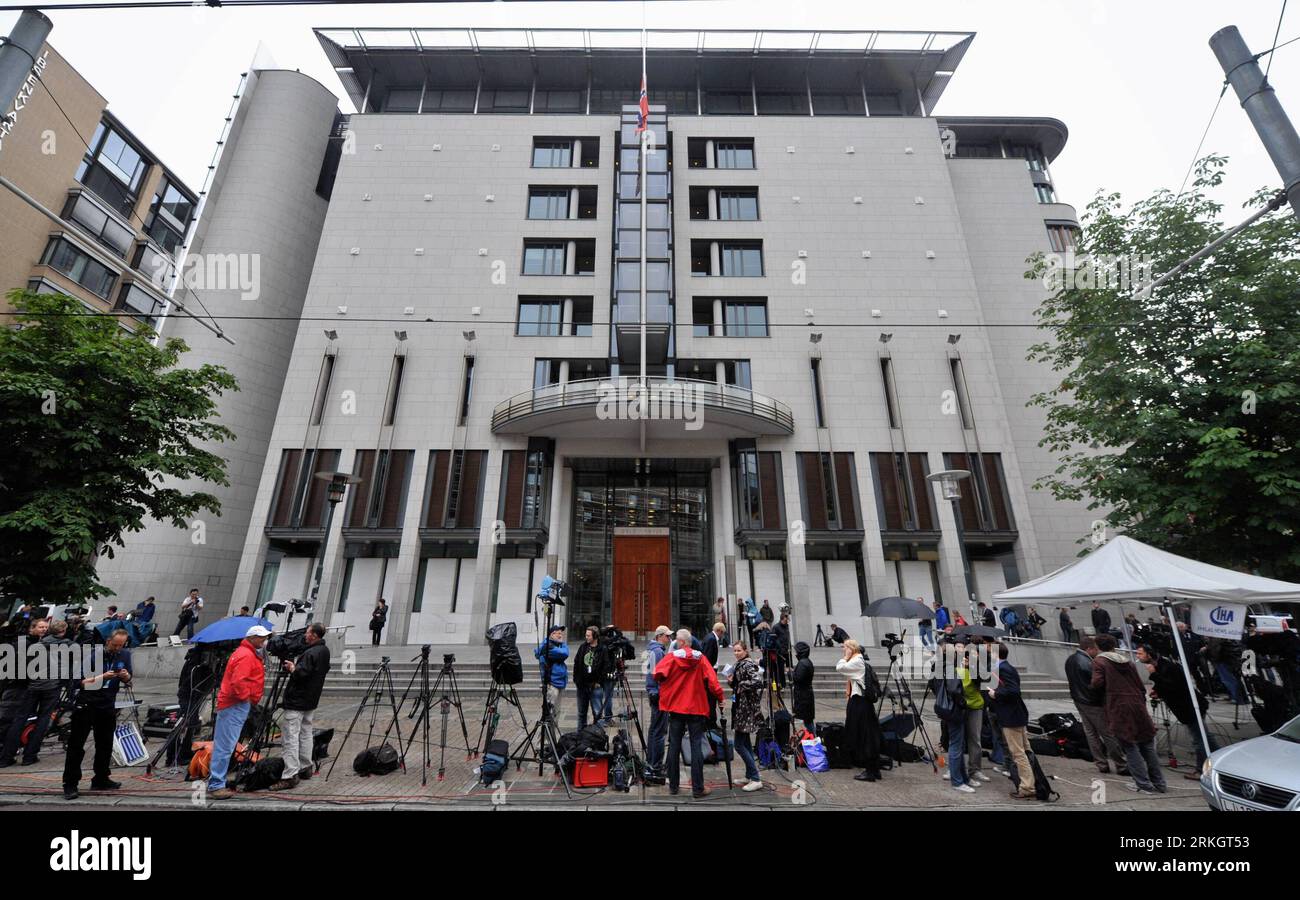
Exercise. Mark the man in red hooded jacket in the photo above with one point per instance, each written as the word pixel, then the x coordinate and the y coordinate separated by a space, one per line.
pixel 685 682
pixel 241 687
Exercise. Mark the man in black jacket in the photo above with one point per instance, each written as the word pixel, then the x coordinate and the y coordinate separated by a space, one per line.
pixel 1078 673
pixel 590 670
pixel 1169 684
pixel 301 697
pixel 1100 619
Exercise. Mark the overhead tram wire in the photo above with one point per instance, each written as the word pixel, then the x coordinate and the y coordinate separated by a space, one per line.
pixel 1276 32
pixel 222 4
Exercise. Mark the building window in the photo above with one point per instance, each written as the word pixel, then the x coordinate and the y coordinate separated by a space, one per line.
pixel 1031 154
pixel 738 206
pixel 546 372
pixel 64 256
pixel 1062 238
pixel 395 389
pixel 169 216
pixel 552 154
pixel 887 379
pixel 959 391
pixel 829 487
pixel 403 100
pixel 1044 193
pixel 734 154
pixel 113 168
pixel 322 389
pixel 82 210
pixel 139 303
pixel 455 488
pixel 299 500
pixel 985 504
pixel 744 318
pixel 466 389
pixel 379 499
pixel 525 479
pixel 548 203
pixel 539 317
pixel 903 498
pixel 819 410
pixel 544 258
pixel 451 100
pixel 741 259
pixel 757 487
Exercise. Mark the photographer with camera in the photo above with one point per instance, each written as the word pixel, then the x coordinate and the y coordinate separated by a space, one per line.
pixel 1169 685
pixel 301 697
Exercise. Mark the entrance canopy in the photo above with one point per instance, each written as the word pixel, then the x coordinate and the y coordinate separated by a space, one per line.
pixel 1125 569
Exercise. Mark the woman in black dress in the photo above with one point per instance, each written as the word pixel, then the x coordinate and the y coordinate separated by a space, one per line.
pixel 378 619
pixel 861 727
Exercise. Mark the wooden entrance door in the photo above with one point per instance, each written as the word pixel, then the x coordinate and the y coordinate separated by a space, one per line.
pixel 642 596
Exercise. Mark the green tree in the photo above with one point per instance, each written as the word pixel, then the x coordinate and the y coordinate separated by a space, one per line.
pixel 1178 410
pixel 100 427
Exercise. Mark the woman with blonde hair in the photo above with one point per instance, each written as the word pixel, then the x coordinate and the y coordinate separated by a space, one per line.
pixel 861 727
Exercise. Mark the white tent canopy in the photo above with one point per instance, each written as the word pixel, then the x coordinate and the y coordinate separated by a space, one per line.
pixel 1125 569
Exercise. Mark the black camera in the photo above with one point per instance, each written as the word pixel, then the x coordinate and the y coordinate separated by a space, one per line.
pixel 617 645
pixel 290 645
pixel 448 659
pixel 890 640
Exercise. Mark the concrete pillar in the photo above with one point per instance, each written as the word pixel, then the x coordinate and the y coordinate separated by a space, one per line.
pixel 571 258
pixel 485 564
pixel 719 325
pixel 554 527
pixel 573 203
pixel 715 259
pixel 709 161
pixel 407 562
pixel 713 204
pixel 566 316
pixel 564 371
pixel 726 540
pixel 575 160
pixel 720 373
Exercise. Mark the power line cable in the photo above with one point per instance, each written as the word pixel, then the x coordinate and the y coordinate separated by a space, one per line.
pixel 1204 134
pixel 1277 31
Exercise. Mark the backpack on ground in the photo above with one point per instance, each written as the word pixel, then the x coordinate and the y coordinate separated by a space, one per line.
pixel 379 760
pixel 1042 784
pixel 320 743
pixel 263 774
pixel 782 724
pixel 722 749
pixel 832 738
pixel 495 759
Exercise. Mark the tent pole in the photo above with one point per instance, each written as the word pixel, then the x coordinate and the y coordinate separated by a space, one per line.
pixel 1187 673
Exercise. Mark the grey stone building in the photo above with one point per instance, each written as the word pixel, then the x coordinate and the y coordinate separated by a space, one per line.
pixel 824 305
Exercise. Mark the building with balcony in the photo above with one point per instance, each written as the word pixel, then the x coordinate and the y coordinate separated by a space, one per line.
pixel 118 218
pixel 719 362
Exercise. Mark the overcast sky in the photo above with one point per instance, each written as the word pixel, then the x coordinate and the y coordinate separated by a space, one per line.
pixel 1134 81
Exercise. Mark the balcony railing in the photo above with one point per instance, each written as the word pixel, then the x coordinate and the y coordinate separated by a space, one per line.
pixel 666 398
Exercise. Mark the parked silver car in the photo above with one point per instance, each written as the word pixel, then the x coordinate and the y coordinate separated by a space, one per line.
pixel 1262 773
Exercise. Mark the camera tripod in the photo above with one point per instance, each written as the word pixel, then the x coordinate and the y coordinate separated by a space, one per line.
pixel 545 728
pixel 381 684
pixel 623 694
pixel 498 693
pixel 899 692
pixel 447 691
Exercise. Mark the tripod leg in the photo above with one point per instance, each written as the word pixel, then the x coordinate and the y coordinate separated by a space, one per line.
pixel 374 680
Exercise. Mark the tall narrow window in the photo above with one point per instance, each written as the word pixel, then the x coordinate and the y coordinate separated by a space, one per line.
pixel 887 377
pixel 394 390
pixel 959 389
pixel 818 410
pixel 322 389
pixel 466 389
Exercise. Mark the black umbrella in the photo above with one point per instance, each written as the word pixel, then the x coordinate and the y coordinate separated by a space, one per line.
pixel 899 608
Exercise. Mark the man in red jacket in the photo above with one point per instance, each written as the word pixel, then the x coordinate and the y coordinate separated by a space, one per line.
pixel 241 687
pixel 685 682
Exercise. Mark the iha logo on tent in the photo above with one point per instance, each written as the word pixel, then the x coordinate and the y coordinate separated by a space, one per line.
pixel 1221 616
pixel 103 854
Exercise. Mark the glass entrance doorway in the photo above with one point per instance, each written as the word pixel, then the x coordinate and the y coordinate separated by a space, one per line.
pixel 641 550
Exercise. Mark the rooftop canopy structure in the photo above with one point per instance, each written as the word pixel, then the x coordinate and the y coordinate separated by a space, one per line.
pixel 691 72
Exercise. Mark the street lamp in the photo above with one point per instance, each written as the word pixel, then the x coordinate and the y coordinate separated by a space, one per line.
pixel 336 487
pixel 949 481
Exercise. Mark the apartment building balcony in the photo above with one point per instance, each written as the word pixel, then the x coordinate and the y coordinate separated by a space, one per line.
pixel 612 408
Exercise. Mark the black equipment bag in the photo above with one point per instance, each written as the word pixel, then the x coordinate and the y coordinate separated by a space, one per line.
pixel 1045 745
pixel 896 727
pixel 782 722
pixel 832 738
pixel 505 663
pixel 949 699
pixel 265 772
pixel 1042 784
pixel 320 743
pixel 495 759
pixel 1066 732
pixel 379 760
pixel 590 739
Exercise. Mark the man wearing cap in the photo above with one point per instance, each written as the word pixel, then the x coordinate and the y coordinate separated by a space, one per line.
pixel 551 654
pixel 655 651
pixel 241 687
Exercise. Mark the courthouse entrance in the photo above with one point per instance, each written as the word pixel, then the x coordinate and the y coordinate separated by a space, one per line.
pixel 641 553
pixel 642 596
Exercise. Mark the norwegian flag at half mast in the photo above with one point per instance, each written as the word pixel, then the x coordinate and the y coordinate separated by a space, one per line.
pixel 644 114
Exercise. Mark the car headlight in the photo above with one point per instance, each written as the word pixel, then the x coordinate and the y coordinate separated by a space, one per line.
pixel 1207 770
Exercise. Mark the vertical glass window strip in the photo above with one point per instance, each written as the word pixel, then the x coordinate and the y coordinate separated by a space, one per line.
pixel 887 378
pixel 959 390
pixel 322 389
pixel 466 389
pixel 399 366
pixel 417 604
pixel 819 411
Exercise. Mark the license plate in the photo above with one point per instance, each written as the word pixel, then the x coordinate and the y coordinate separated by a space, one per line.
pixel 1234 806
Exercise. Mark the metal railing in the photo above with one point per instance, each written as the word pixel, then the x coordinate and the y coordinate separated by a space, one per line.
pixel 666 398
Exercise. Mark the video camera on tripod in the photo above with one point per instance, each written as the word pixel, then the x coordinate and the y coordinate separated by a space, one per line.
pixel 891 641
pixel 617 647
pixel 553 591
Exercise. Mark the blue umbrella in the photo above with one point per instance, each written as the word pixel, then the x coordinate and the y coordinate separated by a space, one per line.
pixel 230 629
